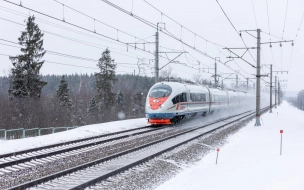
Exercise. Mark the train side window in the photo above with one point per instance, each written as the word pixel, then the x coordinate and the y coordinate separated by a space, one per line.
pixel 192 97
pixel 203 97
pixel 184 97
pixel 180 98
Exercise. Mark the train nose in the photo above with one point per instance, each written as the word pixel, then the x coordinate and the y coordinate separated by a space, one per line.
pixel 157 103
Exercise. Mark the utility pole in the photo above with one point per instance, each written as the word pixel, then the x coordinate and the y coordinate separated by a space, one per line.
pixel 270 89
pixel 258 80
pixel 156 70
pixel 215 72
pixel 237 81
pixel 279 99
pixel 275 92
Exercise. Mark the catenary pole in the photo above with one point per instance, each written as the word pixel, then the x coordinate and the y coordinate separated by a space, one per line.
pixel 156 66
pixel 279 98
pixel 258 80
pixel 215 73
pixel 270 89
pixel 237 81
pixel 275 92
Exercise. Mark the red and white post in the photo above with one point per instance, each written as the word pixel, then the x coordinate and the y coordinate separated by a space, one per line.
pixel 281 131
pixel 217 152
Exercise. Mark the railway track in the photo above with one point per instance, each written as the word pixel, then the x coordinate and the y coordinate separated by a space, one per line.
pixel 123 154
pixel 9 159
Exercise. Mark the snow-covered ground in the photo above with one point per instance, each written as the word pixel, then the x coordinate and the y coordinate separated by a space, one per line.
pixel 251 160
pixel 78 133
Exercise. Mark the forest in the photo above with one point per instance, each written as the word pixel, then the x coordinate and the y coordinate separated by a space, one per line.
pixel 130 93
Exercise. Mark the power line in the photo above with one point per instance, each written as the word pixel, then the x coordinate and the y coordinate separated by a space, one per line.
pixel 294 42
pixel 163 31
pixel 78 32
pixel 59 63
pixel 227 17
pixel 235 29
pixel 96 20
pixel 299 28
pixel 80 27
pixel 269 31
pixel 163 14
pixel 272 35
pixel 285 19
pixel 256 23
pixel 59 26
pixel 69 56
pixel 76 40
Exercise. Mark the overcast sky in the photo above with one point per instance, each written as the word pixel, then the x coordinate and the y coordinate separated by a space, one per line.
pixel 204 18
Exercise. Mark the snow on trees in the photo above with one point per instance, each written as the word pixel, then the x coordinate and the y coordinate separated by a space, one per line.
pixel 63 93
pixel 105 80
pixel 26 79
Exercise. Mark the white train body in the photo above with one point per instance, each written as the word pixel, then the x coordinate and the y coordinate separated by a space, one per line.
pixel 170 102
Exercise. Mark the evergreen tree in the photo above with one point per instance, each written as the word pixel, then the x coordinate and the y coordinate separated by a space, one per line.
pixel 120 100
pixel 63 93
pixel 105 79
pixel 92 111
pixel 26 78
pixel 92 105
pixel 138 103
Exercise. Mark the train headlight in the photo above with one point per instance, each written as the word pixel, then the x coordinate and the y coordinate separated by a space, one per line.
pixel 161 106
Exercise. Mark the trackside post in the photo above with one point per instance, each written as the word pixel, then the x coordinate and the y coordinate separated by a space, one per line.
pixel 217 152
pixel 281 131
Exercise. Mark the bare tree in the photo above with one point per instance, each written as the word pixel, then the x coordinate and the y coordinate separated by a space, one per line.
pixel 167 73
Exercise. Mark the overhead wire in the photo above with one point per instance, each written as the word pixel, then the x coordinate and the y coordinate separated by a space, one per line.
pixel 256 23
pixel 78 32
pixel 84 14
pixel 59 26
pixel 163 31
pixel 285 20
pixel 236 31
pixel 269 31
pixel 77 26
pixel 68 56
pixel 163 14
pixel 299 28
pixel 69 38
pixel 58 63
pixel 76 40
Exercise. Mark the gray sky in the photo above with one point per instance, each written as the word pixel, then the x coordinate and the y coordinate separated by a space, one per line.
pixel 205 18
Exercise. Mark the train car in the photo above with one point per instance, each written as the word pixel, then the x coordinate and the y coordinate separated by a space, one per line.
pixel 171 102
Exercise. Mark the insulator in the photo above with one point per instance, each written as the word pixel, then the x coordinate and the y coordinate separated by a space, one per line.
pixel 280 45
pixel 270 46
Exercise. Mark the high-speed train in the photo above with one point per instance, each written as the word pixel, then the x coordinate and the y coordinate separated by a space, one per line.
pixel 171 102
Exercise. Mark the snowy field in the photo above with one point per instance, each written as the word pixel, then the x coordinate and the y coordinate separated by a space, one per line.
pixel 251 160
pixel 78 133
pixel 94 130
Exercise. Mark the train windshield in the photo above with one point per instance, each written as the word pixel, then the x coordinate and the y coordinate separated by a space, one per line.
pixel 160 90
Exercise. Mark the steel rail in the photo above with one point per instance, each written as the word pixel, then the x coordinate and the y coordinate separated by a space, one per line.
pixel 70 148
pixel 92 163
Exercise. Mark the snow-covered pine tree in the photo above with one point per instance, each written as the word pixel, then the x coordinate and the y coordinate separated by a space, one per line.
pixel 92 111
pixel 63 93
pixel 26 79
pixel 138 104
pixel 120 100
pixel 92 105
pixel 105 79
